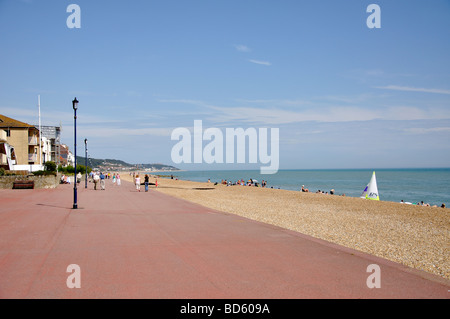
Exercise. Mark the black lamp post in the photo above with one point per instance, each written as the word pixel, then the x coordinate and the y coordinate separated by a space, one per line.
pixel 85 162
pixel 75 107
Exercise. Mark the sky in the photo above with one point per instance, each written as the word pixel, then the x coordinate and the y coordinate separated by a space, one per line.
pixel 342 95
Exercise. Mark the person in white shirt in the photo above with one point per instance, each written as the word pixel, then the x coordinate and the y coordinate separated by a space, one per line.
pixel 96 179
pixel 137 181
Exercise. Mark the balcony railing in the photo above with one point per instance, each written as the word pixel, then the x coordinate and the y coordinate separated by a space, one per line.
pixel 32 140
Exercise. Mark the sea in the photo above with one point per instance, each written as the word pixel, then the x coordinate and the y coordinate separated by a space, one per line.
pixel 430 185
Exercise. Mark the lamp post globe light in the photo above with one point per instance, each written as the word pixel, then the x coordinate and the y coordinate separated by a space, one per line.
pixel 85 162
pixel 75 107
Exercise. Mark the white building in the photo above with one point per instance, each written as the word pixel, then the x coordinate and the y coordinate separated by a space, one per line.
pixel 70 159
pixel 46 146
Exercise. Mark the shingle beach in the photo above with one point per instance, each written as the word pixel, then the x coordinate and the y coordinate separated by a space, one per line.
pixel 415 236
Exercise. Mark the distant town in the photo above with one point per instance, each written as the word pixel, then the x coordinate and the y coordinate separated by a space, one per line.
pixel 118 165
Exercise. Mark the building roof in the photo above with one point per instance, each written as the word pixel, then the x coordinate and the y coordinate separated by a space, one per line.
pixel 9 122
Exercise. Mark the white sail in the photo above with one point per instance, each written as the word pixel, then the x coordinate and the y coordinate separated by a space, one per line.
pixel 364 193
pixel 371 190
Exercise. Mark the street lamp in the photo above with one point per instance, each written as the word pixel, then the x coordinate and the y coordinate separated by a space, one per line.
pixel 85 162
pixel 75 107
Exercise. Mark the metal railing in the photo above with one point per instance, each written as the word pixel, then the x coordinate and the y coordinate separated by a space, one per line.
pixel 32 140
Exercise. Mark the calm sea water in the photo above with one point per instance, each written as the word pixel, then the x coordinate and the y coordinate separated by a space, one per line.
pixel 412 185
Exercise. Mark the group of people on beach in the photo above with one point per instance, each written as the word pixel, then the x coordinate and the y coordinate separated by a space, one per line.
pixel 327 193
pixel 332 192
pixel 242 182
pixel 421 203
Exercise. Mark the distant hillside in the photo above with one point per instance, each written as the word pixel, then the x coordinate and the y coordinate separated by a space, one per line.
pixel 97 163
pixel 157 166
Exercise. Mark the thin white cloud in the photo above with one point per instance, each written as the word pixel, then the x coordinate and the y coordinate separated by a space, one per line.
pixel 421 130
pixel 277 114
pixel 242 48
pixel 330 114
pixel 134 93
pixel 108 131
pixel 374 72
pixel 413 89
pixel 21 114
pixel 31 115
pixel 267 63
pixel 356 99
pixel 275 102
pixel 351 99
pixel 183 101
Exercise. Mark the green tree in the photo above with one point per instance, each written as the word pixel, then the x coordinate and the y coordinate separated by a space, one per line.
pixel 69 169
pixel 81 169
pixel 50 166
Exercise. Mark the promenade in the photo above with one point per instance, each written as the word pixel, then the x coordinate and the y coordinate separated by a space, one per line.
pixel 131 244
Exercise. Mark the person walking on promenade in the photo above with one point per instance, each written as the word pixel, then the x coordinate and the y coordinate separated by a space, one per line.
pixel 146 182
pixel 118 179
pixel 114 178
pixel 137 181
pixel 102 181
pixel 96 180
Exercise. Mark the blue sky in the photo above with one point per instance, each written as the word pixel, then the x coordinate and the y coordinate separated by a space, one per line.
pixel 342 95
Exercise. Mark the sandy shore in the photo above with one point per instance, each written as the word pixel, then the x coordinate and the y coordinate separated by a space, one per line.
pixel 418 237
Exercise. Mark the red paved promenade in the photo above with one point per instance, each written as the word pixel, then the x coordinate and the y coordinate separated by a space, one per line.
pixel 149 245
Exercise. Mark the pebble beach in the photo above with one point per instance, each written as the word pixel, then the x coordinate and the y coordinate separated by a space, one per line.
pixel 415 236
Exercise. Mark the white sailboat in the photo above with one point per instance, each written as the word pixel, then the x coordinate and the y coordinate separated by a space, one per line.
pixel 371 190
